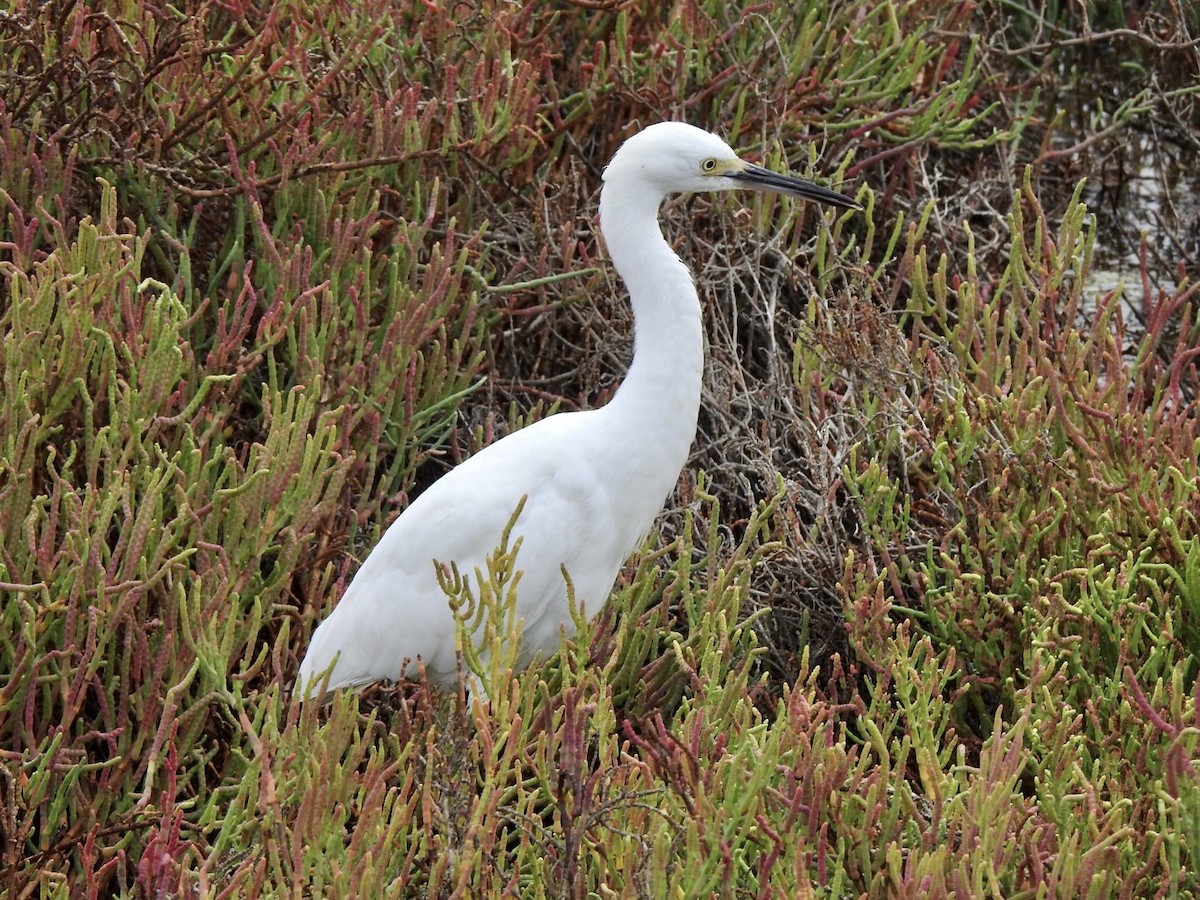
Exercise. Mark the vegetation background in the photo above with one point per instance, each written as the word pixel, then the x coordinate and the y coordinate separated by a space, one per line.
pixel 923 617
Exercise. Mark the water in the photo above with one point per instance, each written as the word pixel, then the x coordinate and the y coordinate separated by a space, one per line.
pixel 1143 181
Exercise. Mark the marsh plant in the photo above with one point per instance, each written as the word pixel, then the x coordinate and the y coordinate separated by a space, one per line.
pixel 923 617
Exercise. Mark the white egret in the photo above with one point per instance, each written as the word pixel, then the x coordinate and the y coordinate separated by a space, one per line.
pixel 593 481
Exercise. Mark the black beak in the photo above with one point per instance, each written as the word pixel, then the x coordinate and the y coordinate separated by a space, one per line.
pixel 758 178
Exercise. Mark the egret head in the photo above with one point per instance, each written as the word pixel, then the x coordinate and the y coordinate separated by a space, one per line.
pixel 673 157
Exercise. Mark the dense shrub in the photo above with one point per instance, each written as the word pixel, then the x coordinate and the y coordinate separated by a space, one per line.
pixel 923 617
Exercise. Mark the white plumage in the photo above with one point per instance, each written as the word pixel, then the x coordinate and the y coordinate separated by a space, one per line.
pixel 593 480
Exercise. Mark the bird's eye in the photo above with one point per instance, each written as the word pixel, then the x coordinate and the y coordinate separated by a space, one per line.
pixel 708 165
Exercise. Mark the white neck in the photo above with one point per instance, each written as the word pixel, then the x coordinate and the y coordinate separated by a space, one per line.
pixel 655 408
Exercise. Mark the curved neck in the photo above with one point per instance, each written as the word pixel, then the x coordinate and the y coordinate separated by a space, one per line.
pixel 658 402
